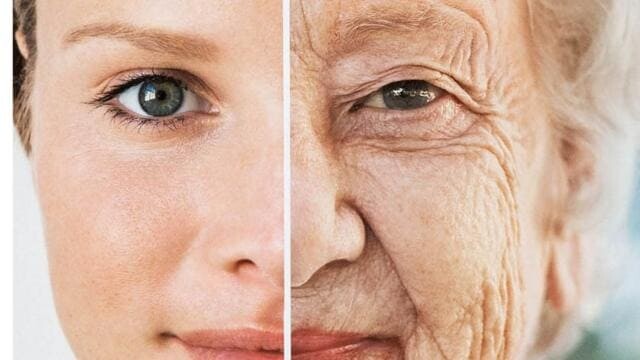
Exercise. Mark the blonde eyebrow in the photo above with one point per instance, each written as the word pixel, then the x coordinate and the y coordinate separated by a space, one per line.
pixel 149 39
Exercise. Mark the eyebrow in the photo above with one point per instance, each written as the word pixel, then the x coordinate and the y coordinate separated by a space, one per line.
pixel 149 39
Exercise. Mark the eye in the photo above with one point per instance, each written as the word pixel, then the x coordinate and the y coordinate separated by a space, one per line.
pixel 402 95
pixel 159 96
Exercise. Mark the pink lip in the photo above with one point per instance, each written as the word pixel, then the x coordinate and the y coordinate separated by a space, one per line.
pixel 319 345
pixel 307 342
pixel 248 344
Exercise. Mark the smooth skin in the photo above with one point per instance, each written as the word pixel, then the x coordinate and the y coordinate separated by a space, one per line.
pixel 153 230
pixel 439 229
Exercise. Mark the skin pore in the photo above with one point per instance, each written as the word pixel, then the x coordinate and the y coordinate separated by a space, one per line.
pixel 426 231
pixel 146 221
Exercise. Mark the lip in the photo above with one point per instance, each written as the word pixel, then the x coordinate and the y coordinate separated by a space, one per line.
pixel 309 344
pixel 247 344
pixel 309 341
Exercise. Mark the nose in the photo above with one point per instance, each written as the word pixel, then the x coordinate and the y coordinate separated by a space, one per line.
pixel 242 222
pixel 249 248
pixel 325 227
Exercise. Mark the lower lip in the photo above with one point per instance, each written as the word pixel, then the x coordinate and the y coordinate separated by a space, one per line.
pixel 342 348
pixel 222 345
pixel 201 353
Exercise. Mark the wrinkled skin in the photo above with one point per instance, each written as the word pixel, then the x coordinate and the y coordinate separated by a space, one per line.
pixel 156 231
pixel 428 227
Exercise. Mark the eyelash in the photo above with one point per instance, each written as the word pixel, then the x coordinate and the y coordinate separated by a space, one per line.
pixel 124 117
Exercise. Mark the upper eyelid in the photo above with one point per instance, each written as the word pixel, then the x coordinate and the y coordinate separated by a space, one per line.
pixel 125 80
pixel 360 92
pixel 115 90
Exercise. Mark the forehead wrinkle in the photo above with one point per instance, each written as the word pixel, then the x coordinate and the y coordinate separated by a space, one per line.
pixel 355 30
pixel 149 39
pixel 301 39
pixel 358 28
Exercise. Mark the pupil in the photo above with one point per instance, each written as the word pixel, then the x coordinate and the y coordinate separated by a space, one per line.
pixel 160 96
pixel 406 95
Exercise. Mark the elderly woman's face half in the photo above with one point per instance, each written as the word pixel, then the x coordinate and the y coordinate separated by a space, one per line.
pixel 420 144
pixel 151 122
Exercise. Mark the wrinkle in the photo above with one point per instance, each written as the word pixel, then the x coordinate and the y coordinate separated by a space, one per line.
pixel 435 341
pixel 337 298
pixel 485 320
pixel 356 32
pixel 306 34
pixel 512 278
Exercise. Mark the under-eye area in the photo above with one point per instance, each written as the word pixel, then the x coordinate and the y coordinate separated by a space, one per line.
pixel 156 100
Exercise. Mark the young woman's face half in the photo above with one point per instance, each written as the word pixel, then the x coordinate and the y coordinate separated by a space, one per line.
pixel 157 153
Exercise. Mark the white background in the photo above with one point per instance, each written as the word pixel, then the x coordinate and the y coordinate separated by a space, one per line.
pixel 6 188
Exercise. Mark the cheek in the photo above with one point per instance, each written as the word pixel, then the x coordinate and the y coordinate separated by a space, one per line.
pixel 119 225
pixel 115 212
pixel 439 216
pixel 448 220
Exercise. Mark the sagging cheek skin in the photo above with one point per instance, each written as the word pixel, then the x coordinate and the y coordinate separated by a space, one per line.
pixel 447 217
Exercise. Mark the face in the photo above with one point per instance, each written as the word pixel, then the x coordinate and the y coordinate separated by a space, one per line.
pixel 419 205
pixel 157 153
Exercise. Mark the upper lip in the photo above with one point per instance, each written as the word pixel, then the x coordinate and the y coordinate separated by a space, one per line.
pixel 234 339
pixel 310 341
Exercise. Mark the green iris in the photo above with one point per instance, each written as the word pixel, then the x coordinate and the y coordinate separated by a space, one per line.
pixel 160 96
pixel 406 95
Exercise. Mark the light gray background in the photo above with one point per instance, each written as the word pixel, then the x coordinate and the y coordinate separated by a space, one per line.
pixel 37 334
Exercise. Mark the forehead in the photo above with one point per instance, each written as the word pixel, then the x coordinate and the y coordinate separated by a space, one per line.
pixel 223 20
pixel 339 26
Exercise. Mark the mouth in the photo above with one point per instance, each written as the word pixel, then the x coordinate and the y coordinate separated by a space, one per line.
pixel 309 344
pixel 245 344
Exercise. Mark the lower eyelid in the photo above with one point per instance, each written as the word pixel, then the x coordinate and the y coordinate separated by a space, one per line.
pixel 158 128
pixel 442 118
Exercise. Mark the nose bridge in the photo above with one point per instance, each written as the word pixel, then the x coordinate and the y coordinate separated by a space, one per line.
pixel 243 223
pixel 260 235
pixel 324 228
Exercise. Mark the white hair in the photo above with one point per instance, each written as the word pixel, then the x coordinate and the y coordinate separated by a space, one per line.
pixel 588 53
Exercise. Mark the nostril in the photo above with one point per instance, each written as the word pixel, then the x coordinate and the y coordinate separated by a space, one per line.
pixel 243 266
